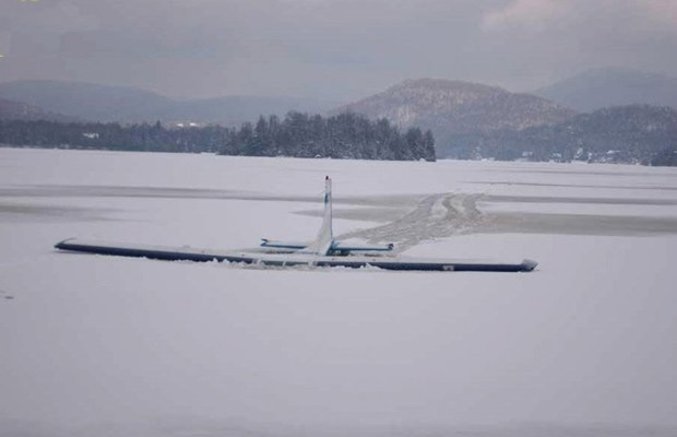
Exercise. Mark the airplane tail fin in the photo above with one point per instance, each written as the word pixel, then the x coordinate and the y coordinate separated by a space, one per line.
pixel 325 237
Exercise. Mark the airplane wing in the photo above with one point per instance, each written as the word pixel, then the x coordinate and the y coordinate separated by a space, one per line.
pixel 288 260
pixel 343 247
pixel 283 244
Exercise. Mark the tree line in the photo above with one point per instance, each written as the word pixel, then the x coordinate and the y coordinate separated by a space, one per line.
pixel 347 136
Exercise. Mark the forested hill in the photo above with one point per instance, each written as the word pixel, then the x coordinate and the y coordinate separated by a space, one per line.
pixel 450 108
pixel 628 134
pixel 298 135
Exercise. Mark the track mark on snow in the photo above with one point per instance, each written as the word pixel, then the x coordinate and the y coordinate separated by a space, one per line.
pixel 436 216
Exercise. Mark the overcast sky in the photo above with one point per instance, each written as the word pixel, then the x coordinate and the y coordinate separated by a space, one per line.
pixel 329 49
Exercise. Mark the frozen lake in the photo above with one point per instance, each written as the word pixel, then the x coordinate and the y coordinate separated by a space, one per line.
pixel 104 346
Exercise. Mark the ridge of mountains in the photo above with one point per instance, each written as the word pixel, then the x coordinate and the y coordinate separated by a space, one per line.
pixel 434 101
pixel 107 103
pixel 468 120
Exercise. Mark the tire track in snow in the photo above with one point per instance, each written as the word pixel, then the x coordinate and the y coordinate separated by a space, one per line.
pixel 436 216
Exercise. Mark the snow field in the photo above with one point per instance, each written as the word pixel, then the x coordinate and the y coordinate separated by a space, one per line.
pixel 110 346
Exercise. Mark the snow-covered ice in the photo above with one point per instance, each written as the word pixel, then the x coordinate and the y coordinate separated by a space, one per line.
pixel 106 346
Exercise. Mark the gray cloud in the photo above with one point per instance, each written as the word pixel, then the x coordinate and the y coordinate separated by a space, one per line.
pixel 338 49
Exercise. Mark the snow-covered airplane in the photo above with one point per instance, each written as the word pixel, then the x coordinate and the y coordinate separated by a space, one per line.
pixel 324 251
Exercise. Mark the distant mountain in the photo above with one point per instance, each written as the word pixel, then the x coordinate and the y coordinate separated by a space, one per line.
pixel 86 101
pixel 106 103
pixel 596 89
pixel 11 110
pixel 451 108
pixel 629 134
